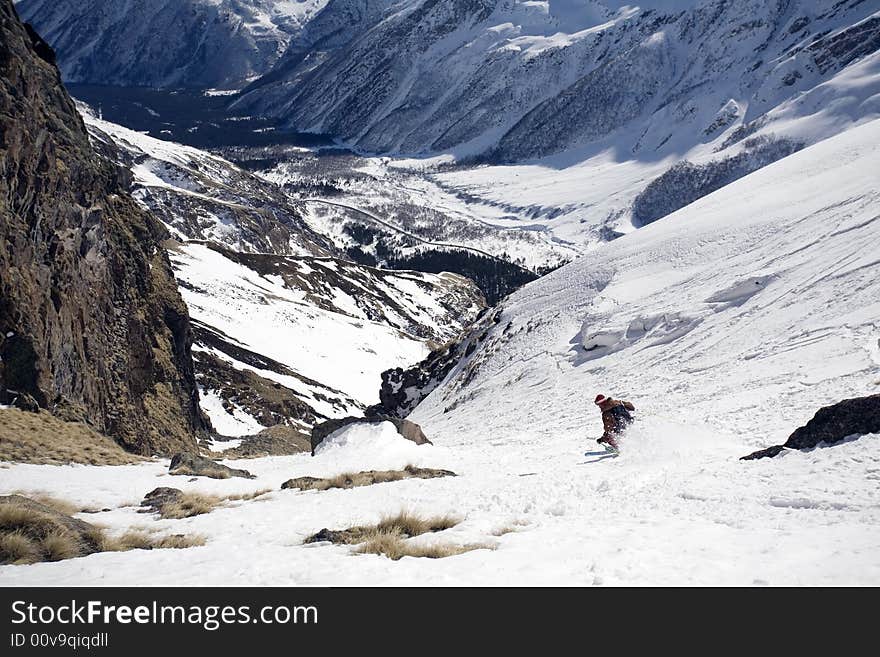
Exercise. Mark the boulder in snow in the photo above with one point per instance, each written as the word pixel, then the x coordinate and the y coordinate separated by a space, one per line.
pixel 160 497
pixel 199 466
pixel 409 430
pixel 830 425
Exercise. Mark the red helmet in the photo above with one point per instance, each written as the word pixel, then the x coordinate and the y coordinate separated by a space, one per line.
pixel 600 399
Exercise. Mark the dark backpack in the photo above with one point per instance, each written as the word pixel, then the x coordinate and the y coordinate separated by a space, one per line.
pixel 622 417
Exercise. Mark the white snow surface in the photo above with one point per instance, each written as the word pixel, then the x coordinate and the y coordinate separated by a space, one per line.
pixel 235 423
pixel 715 370
pixel 345 352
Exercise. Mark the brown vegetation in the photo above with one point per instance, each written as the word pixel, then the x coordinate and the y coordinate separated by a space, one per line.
pixel 389 537
pixel 365 478
pixel 171 503
pixel 31 531
pixel 395 546
pixel 45 439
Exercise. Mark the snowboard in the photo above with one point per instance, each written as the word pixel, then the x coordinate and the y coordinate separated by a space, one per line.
pixel 608 449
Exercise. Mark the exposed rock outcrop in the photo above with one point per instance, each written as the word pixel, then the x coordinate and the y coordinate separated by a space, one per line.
pixel 91 322
pixel 830 425
pixel 267 401
pixel 403 389
pixel 158 498
pixel 199 466
pixel 409 430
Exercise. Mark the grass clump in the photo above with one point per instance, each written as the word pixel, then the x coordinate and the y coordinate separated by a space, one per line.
pixel 394 546
pixel 173 504
pixel 31 532
pixel 61 506
pixel 409 524
pixel 390 537
pixel 365 478
pixel 141 540
pixel 189 505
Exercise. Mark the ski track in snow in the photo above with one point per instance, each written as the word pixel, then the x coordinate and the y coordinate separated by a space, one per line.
pixel 714 370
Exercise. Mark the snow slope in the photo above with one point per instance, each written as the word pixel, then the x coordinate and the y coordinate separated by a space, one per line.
pixel 727 323
pixel 322 327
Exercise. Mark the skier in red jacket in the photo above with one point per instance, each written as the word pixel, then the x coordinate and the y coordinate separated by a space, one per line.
pixel 616 417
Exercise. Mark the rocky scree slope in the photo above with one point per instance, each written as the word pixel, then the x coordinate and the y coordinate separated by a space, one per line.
pixel 92 325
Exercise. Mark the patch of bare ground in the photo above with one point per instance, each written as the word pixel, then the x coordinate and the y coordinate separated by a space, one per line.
pixel 42 438
pixel 365 478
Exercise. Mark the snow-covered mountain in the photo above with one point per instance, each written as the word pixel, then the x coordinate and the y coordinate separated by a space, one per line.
pixel 288 331
pixel 607 114
pixel 728 324
pixel 318 204
pixel 529 79
pixel 201 196
pixel 193 43
pixel 746 310
pixel 315 334
pixel 594 103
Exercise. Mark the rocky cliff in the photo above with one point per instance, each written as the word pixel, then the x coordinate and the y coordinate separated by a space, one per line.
pixel 92 325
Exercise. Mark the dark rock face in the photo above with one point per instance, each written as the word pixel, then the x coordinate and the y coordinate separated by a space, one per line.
pixel 268 401
pixel 833 423
pixel 199 466
pixel 91 321
pixel 830 425
pixel 279 440
pixel 403 389
pixel 769 452
pixel 409 430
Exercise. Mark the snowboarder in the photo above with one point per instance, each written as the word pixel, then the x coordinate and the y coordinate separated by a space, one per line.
pixel 616 417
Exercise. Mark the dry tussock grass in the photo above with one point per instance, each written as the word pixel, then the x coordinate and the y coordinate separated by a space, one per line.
pixel 45 439
pixel 365 478
pixel 389 537
pixel 409 524
pixel 195 504
pixel 29 534
pixel 141 540
pixel 394 546
pixel 62 506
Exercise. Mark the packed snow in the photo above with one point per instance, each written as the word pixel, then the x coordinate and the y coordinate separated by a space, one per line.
pixel 727 324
